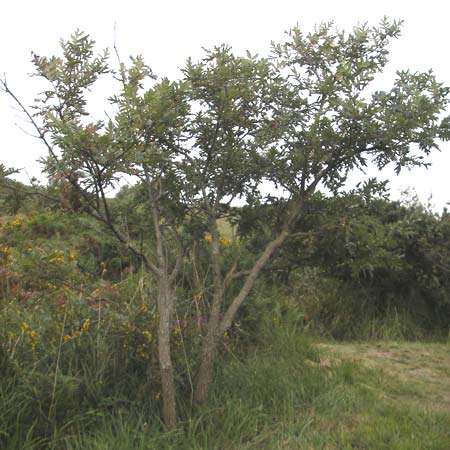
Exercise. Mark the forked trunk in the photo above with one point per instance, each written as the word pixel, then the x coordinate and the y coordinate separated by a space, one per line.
pixel 217 327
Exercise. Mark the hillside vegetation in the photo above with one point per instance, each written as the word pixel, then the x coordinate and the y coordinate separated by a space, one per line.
pixel 79 334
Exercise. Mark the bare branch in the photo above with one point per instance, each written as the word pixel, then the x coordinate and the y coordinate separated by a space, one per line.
pixel 41 135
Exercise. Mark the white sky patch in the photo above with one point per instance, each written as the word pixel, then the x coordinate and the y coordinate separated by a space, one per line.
pixel 167 33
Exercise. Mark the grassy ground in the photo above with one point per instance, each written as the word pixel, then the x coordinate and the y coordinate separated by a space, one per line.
pixel 289 392
pixel 293 395
pixel 401 397
pixel 417 374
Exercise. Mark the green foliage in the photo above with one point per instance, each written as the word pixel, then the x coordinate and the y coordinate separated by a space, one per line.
pixel 301 119
pixel 70 77
pixel 328 123
pixel 356 259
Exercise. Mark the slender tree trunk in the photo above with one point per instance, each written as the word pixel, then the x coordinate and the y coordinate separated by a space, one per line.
pixel 270 249
pixel 216 327
pixel 210 344
pixel 165 306
pixel 206 370
pixel 165 309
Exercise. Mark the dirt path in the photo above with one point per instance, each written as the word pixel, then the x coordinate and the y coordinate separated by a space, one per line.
pixel 416 372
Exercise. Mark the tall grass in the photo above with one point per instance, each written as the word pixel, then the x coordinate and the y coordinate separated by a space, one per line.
pixel 273 389
pixel 274 386
pixel 286 395
pixel 282 394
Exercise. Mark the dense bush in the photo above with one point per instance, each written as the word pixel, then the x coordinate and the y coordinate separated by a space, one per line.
pixel 371 260
pixel 79 329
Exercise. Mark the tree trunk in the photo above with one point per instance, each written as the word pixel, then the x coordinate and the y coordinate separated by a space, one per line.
pixel 165 306
pixel 165 309
pixel 209 351
pixel 210 344
pixel 270 249
pixel 216 327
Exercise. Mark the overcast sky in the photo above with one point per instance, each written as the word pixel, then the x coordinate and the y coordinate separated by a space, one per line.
pixel 167 32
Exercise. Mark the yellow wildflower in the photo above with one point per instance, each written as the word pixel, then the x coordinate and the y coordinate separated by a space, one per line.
pixel 103 265
pixel 33 338
pixel 148 334
pixel 225 242
pixel 24 327
pixel 85 325
pixel 18 222
pixel 58 260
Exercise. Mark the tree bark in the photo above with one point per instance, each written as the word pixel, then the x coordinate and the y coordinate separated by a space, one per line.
pixel 165 306
pixel 205 373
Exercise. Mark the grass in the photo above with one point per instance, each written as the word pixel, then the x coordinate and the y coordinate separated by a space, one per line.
pixel 390 406
pixel 286 391
pixel 295 395
pixel 415 373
